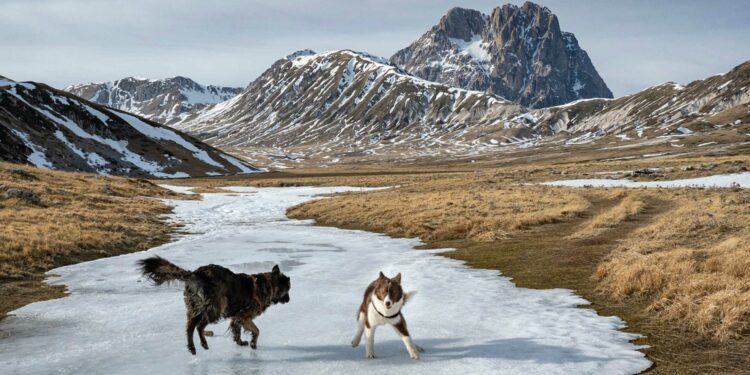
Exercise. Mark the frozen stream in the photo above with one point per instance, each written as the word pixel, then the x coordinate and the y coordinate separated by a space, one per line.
pixel 468 320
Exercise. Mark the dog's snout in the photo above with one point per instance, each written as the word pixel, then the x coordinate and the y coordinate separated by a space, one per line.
pixel 388 303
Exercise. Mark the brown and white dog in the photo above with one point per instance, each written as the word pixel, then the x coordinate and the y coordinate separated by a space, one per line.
pixel 382 304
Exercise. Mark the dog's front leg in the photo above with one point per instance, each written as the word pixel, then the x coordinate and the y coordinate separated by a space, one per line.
pixel 360 330
pixel 250 326
pixel 370 346
pixel 400 328
pixel 236 327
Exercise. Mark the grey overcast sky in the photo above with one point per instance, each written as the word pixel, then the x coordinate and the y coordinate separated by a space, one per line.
pixel 633 43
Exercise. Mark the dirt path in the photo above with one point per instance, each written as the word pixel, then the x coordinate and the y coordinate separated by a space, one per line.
pixel 545 258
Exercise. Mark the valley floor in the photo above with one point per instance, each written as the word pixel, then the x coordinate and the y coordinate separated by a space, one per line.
pixel 468 320
pixel 673 263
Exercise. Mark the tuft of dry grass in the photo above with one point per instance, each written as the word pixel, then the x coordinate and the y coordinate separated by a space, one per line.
pixel 631 204
pixel 692 263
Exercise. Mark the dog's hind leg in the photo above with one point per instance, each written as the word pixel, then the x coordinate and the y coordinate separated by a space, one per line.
pixel 400 328
pixel 202 334
pixel 236 326
pixel 360 330
pixel 250 326
pixel 191 324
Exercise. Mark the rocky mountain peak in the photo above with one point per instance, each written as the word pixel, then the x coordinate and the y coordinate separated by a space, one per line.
pixel 461 23
pixel 300 53
pixel 519 53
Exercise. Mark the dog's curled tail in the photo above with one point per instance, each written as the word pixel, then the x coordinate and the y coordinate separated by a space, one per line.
pixel 409 295
pixel 161 270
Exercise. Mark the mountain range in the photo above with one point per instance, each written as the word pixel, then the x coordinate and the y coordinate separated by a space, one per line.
pixel 473 83
pixel 50 128
pixel 342 97
pixel 162 100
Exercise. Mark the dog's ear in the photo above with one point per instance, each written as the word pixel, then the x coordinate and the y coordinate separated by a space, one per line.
pixel 382 276
pixel 398 278
pixel 276 269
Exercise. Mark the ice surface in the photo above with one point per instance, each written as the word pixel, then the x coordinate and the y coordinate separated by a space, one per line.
pixel 723 180
pixel 468 320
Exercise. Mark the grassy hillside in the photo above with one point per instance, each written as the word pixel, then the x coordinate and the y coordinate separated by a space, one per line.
pixel 51 219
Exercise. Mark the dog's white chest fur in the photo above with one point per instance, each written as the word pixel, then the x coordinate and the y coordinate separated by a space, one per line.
pixel 378 314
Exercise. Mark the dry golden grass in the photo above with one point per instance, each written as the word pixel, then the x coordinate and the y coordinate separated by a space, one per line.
pixel 80 216
pixel 326 178
pixel 447 209
pixel 630 204
pixel 207 189
pixel 693 263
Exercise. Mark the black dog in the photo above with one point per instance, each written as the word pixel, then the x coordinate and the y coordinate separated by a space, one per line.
pixel 213 292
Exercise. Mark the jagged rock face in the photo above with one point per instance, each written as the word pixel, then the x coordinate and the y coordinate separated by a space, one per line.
pixel 343 98
pixel 164 101
pixel 54 129
pixel 518 53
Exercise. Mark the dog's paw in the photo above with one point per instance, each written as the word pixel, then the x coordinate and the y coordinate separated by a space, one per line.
pixel 242 343
pixel 191 349
pixel 355 343
pixel 414 356
pixel 253 345
pixel 204 345
pixel 370 355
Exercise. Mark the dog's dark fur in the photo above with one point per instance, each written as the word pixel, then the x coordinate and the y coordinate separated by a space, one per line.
pixel 213 292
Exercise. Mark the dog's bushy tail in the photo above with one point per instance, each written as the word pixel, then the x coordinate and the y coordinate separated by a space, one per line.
pixel 161 270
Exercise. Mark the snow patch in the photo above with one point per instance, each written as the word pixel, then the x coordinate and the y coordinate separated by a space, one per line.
pixel 36 157
pixel 475 48
pixel 239 164
pixel 724 181
pixel 168 135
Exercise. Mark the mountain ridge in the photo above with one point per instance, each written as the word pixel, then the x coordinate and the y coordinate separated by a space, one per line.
pixel 340 94
pixel 54 129
pixel 162 100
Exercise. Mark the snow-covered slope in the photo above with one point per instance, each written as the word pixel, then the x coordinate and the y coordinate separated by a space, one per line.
pixel 518 53
pixel 53 129
pixel 668 108
pixel 161 100
pixel 353 105
pixel 343 98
